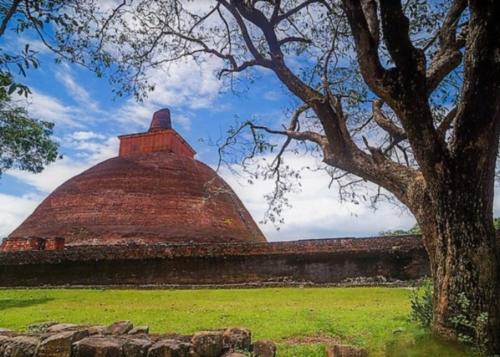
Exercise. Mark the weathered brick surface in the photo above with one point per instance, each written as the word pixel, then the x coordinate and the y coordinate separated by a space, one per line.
pixel 157 197
pixel 135 251
pixel 161 140
pixel 54 243
pixel 154 191
pixel 22 244
pixel 31 244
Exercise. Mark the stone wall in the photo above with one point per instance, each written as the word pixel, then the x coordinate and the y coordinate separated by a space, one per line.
pixel 324 261
pixel 51 339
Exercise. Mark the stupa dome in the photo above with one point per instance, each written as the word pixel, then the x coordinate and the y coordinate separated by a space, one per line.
pixel 154 191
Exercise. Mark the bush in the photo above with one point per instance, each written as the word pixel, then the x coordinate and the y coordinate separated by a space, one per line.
pixel 472 327
pixel 421 304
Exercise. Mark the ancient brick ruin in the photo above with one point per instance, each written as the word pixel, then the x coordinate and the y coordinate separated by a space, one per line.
pixel 153 192
pixel 155 216
pixel 31 243
pixel 326 261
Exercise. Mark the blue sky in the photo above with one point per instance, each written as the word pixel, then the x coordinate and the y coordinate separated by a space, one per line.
pixel 88 118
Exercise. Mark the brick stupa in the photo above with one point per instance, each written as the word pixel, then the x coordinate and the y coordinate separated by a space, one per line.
pixel 154 191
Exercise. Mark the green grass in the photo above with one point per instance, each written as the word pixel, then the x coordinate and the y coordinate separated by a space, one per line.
pixel 374 318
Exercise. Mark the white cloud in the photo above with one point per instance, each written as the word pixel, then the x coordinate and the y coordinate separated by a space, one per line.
pixel 316 210
pixel 13 41
pixel 79 93
pixel 14 210
pixel 184 85
pixel 53 175
pixel 183 121
pixel 62 170
pixel 48 108
pixel 132 112
pixel 85 135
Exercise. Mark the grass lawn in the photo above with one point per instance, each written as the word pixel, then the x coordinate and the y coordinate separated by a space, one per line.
pixel 374 318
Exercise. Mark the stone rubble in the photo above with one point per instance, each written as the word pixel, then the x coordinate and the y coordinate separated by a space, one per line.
pixel 121 339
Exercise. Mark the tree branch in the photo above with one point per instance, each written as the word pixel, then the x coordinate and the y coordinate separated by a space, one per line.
pixel 477 122
pixel 372 70
pixel 397 133
pixel 8 15
pixel 409 60
pixel 446 123
pixel 448 57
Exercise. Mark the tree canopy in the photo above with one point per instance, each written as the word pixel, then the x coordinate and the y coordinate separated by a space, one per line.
pixel 25 142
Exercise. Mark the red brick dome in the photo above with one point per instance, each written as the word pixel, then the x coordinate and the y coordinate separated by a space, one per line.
pixel 144 195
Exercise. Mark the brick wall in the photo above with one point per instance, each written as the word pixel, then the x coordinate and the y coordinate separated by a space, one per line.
pixel 31 244
pixel 324 261
pixel 54 243
pixel 22 244
pixel 162 140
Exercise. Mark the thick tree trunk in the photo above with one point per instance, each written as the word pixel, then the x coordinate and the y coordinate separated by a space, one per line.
pixel 460 237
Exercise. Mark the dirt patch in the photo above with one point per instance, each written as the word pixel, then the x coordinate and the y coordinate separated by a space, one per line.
pixel 309 340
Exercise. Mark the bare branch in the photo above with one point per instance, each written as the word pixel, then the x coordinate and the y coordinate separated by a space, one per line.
pixel 448 57
pixel 293 39
pixel 277 19
pixel 106 23
pixel 396 132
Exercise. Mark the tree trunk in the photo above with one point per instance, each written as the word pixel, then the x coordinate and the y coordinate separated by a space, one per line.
pixel 460 237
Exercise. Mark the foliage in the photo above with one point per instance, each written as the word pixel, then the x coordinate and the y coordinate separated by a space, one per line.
pixel 401 232
pixel 367 317
pixel 25 143
pixel 134 43
pixel 496 223
pixel 472 326
pixel 416 229
pixel 421 304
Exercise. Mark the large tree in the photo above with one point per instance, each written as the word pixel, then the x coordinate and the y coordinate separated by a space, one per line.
pixel 402 93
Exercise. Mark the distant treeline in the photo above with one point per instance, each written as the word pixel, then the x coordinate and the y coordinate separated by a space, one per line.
pixel 416 229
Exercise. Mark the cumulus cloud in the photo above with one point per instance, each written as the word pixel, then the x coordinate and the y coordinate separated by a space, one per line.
pixel 14 209
pixel 48 108
pixel 85 135
pixel 182 86
pixel 60 171
pixel 316 211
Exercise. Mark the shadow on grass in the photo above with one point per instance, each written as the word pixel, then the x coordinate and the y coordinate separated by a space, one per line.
pixel 13 303
pixel 424 345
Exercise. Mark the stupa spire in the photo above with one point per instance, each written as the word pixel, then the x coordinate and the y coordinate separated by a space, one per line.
pixel 161 120
pixel 159 137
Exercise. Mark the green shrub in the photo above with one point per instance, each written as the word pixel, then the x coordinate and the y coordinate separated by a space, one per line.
pixel 472 326
pixel 421 304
